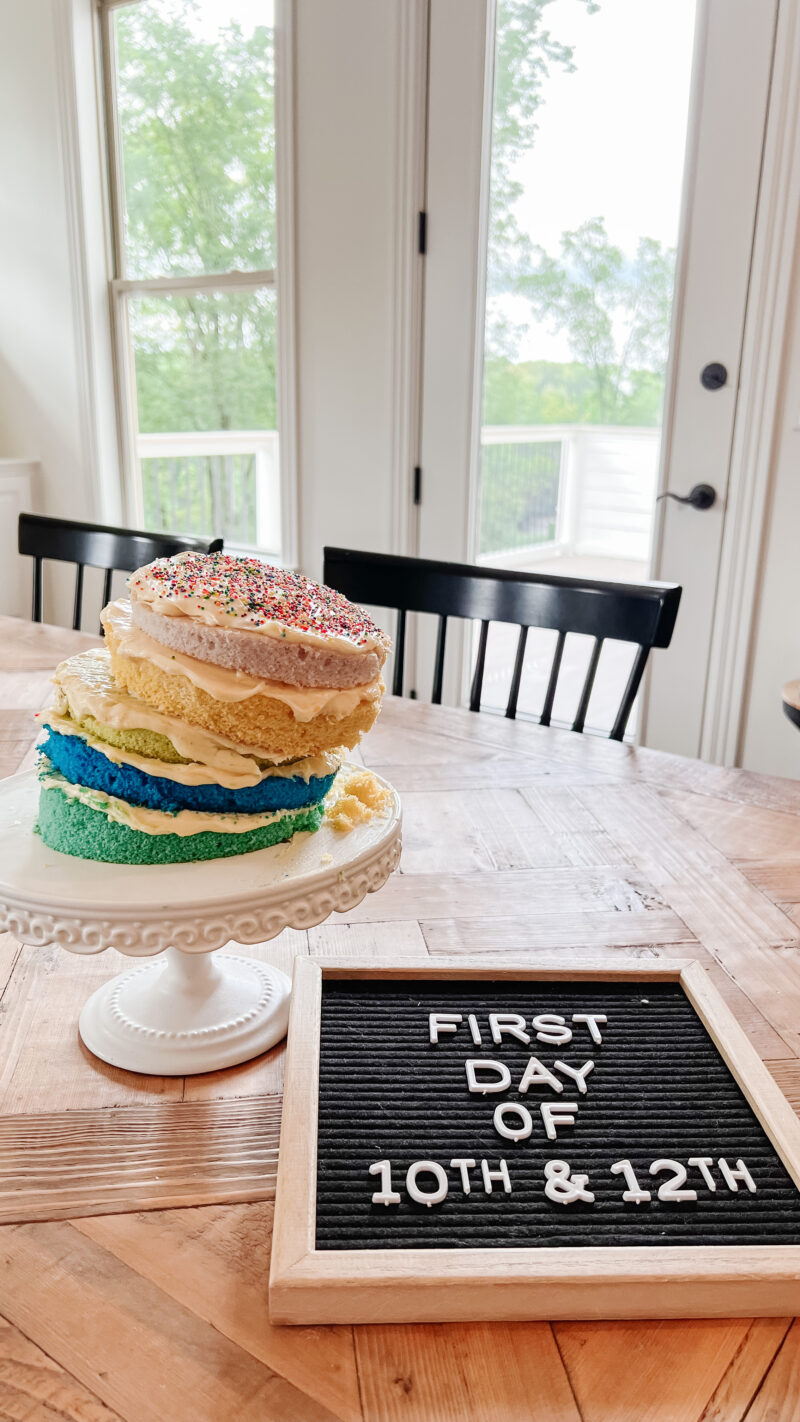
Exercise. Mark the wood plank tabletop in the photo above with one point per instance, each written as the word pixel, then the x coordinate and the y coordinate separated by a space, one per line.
pixel 134 1256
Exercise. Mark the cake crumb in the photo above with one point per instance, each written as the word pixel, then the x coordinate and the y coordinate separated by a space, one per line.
pixel 326 859
pixel 356 797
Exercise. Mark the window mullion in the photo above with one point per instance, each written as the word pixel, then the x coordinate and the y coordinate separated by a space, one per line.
pixel 204 281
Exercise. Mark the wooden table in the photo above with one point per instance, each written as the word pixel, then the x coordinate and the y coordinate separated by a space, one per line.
pixel 517 840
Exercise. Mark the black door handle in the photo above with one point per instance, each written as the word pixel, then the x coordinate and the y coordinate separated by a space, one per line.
pixel 702 496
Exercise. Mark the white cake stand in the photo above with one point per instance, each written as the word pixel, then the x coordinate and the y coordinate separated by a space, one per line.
pixel 191 1010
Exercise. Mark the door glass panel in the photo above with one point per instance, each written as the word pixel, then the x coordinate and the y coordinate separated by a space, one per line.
pixel 588 137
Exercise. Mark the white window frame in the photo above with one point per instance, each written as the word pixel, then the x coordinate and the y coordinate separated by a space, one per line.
pixel 280 279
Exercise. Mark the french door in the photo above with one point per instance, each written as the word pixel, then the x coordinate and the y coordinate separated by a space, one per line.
pixel 592 187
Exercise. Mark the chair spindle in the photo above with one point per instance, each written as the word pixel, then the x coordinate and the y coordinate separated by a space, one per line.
pixel 76 616
pixel 480 663
pixel 399 652
pixel 438 673
pixel 583 705
pixel 550 694
pixel 107 586
pixel 629 694
pixel 36 612
pixel 513 695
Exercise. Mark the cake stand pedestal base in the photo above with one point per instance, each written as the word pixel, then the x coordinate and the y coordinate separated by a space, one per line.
pixel 183 1013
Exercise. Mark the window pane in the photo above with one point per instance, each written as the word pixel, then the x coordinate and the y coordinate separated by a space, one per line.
pixel 195 98
pixel 205 387
pixel 588 137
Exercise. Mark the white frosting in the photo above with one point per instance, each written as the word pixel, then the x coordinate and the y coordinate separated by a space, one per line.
pixel 304 702
pixel 85 686
pixel 138 817
pixel 326 763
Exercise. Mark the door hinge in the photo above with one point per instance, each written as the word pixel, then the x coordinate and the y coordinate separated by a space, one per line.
pixel 417 485
pixel 422 233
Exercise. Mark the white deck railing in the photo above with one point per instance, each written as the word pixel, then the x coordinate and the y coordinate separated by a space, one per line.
pixel 596 489
pixel 571 489
pixel 218 482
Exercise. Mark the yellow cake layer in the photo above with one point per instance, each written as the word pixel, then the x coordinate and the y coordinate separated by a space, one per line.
pixel 260 720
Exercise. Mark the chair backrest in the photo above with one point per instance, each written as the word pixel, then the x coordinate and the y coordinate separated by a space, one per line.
pixel 95 545
pixel 642 613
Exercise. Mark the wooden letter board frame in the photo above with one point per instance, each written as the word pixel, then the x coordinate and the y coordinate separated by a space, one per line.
pixel 310 1286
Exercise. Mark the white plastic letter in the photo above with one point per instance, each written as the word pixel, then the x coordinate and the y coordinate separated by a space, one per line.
pixel 501 1173
pixel 523 1122
pixel 474 1029
pixel 551 1028
pixel 537 1074
pixel 740 1173
pixel 442 1022
pixel 472 1064
pixel 578 1074
pixel 507 1024
pixel 464 1165
pixel 591 1019
pixel 634 1195
pixel 704 1163
pixel 671 1189
pixel 386 1195
pixel 422 1197
pixel 555 1114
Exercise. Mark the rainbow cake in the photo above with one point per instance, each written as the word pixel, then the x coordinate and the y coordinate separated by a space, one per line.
pixel 215 720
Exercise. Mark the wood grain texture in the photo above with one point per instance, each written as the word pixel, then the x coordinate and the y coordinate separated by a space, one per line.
pixel 519 840
pixel 57 1166
pixel 35 1389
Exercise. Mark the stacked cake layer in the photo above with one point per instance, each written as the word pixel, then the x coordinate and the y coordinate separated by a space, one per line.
pixel 154 754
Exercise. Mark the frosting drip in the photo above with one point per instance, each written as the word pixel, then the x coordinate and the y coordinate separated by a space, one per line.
pixel 304 702
pixel 138 817
pixel 85 686
pixel 245 593
pixel 195 773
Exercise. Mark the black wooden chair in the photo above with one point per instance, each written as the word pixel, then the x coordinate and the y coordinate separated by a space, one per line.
pixel 642 613
pixel 95 545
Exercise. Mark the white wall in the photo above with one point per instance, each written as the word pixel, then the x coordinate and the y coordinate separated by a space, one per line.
pixel 771 743
pixel 48 359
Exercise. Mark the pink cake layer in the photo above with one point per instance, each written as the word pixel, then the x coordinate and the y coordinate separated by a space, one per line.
pixel 294 663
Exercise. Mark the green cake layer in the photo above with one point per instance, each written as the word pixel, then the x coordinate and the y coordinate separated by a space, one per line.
pixel 75 828
pixel 150 744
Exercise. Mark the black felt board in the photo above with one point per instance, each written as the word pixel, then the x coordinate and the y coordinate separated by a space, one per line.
pixel 659 1089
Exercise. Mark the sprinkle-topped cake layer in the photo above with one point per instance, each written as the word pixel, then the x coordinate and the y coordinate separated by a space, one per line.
pixel 219 590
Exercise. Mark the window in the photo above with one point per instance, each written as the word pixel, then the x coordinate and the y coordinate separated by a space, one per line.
pixel 191 115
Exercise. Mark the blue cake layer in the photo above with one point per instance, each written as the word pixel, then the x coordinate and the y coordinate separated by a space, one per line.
pixel 81 764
